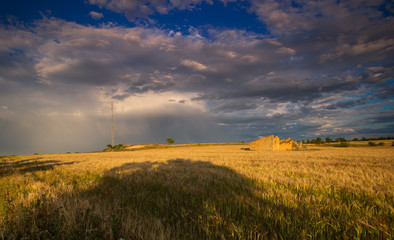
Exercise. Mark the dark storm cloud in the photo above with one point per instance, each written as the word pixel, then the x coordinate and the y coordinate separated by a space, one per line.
pixel 176 121
pixel 348 104
pixel 381 117
pixel 385 92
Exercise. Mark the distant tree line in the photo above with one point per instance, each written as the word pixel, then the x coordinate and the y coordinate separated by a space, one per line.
pixel 340 140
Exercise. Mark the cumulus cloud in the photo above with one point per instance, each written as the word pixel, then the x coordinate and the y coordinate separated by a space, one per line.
pixel 280 15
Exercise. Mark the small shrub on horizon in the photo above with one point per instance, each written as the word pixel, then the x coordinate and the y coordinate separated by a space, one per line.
pixel 118 147
pixel 372 144
pixel 343 144
pixel 340 139
pixel 381 144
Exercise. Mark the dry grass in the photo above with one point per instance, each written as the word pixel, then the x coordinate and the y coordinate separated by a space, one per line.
pixel 200 192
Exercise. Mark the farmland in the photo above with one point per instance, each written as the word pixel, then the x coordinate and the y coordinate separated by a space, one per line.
pixel 200 192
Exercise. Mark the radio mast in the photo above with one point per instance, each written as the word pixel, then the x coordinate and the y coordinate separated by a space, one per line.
pixel 112 121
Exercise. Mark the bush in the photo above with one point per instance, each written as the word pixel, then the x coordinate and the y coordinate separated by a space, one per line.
pixel 170 140
pixel 372 144
pixel 118 147
pixel 392 144
pixel 344 144
pixel 381 144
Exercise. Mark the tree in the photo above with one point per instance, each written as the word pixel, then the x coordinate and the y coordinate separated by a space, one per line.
pixel 328 140
pixel 339 139
pixel 355 139
pixel 109 146
pixel 363 139
pixel 170 140
pixel 319 141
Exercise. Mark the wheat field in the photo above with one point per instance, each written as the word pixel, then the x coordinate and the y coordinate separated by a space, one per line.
pixel 200 192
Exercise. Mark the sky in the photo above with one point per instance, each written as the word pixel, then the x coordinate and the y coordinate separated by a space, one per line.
pixel 192 70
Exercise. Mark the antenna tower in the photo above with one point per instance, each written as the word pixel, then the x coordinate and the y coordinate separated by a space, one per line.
pixel 112 121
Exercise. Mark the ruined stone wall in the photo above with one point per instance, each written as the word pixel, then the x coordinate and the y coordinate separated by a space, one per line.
pixel 272 143
pixel 266 143
pixel 276 143
pixel 289 144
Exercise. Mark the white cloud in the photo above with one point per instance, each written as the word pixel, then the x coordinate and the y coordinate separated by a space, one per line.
pixel 250 58
pixel 151 102
pixel 229 54
pixel 285 50
pixel 96 15
pixel 194 65
pixel 271 73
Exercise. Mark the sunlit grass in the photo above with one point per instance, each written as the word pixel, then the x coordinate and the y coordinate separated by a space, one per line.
pixel 200 192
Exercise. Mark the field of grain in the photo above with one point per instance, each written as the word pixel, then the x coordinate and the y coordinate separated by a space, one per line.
pixel 200 192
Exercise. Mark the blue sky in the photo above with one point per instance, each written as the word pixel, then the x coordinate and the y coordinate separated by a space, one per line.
pixel 194 70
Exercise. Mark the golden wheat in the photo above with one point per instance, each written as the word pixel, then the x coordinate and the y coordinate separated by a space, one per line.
pixel 194 192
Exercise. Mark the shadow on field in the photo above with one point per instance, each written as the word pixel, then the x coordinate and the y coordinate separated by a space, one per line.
pixel 176 199
pixel 28 165
pixel 184 199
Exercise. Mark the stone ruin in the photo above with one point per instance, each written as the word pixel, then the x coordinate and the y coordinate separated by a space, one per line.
pixel 272 143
